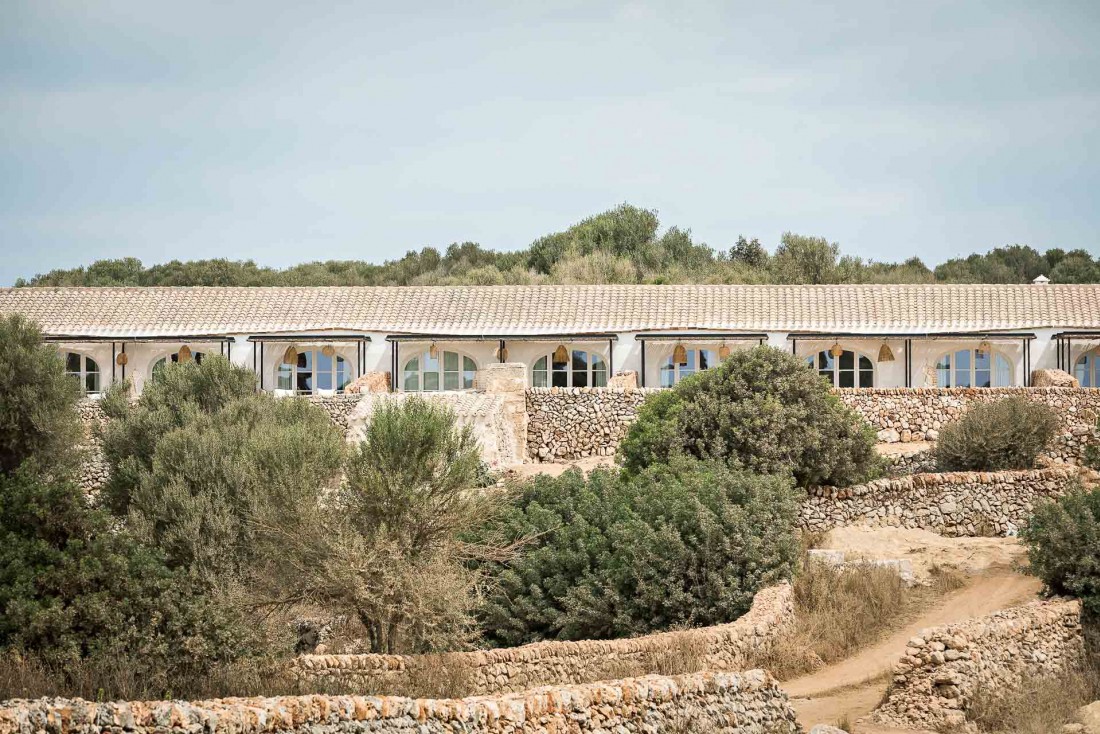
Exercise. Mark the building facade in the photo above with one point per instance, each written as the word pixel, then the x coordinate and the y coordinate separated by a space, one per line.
pixel 320 340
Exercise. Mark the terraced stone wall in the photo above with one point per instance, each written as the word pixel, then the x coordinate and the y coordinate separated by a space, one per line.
pixel 565 424
pixel 738 645
pixel 725 703
pixel 952 503
pixel 944 667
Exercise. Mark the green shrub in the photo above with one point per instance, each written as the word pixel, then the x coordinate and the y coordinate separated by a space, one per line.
pixel 214 474
pixel 1092 451
pixel 1063 546
pixel 761 410
pixel 1007 434
pixel 387 552
pixel 612 555
pixel 37 399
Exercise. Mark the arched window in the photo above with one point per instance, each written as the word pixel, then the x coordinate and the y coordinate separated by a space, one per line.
pixel 444 371
pixel 84 370
pixel 695 360
pixel 313 371
pixel 175 358
pixel 973 368
pixel 578 369
pixel 1087 369
pixel 850 369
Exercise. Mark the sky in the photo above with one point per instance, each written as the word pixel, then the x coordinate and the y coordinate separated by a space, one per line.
pixel 287 132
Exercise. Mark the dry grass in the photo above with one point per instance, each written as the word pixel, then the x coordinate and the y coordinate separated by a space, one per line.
pixel 840 610
pixel 1039 707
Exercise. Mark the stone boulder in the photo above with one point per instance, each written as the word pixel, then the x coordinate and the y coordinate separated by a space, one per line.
pixel 371 382
pixel 1053 378
pixel 1089 716
pixel 627 380
pixel 826 729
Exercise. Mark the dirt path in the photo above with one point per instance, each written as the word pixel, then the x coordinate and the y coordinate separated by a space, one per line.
pixel 853 687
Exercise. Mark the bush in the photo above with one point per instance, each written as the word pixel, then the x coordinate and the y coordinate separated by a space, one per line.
pixel 1063 546
pixel 763 411
pixel 387 552
pixel 37 399
pixel 1007 434
pixel 614 555
pixel 214 474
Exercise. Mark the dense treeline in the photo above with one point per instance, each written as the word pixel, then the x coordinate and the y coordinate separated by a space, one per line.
pixel 624 245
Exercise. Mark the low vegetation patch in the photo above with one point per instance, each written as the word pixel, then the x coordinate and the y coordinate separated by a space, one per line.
pixel 1007 434
pixel 1039 706
pixel 841 609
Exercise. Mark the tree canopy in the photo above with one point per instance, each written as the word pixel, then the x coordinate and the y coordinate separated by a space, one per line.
pixel 623 245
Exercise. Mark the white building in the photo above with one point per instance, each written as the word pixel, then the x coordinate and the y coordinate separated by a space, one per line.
pixel 435 338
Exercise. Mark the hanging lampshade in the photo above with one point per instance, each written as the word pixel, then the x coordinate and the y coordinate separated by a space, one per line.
pixel 290 356
pixel 433 351
pixel 122 359
pixel 723 351
pixel 679 354
pixel 328 350
pixel 184 354
pixel 885 354
pixel 502 354
pixel 985 346
pixel 837 350
pixel 561 354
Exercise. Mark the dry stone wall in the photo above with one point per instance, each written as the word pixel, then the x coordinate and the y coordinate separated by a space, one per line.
pixel 738 645
pixel 565 424
pixel 952 503
pixel 918 414
pixel 943 667
pixel 93 466
pixel 725 703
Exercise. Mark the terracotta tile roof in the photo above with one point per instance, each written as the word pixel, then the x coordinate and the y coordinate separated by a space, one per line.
pixel 532 310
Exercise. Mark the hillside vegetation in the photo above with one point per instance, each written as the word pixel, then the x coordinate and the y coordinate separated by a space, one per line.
pixel 624 245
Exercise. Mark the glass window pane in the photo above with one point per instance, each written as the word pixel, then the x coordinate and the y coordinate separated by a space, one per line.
pixel 540 365
pixel 580 360
pixel 72 362
pixel 538 377
pixel 982 359
pixel 812 362
pixel 285 381
pixel 962 360
pixel 847 378
pixel 580 378
pixel 324 372
pixel 560 378
pixel 707 358
pixel 90 365
pixel 91 382
pixel 943 371
pixel 865 364
pixel 468 379
pixel 468 365
pixel 412 381
pixel 598 363
pixel 343 374
pixel 668 374
pixel 1003 374
pixel 413 365
pixel 825 361
pixel 866 378
pixel 847 360
pixel 982 378
pixel 431 364
pixel 599 378
pixel 689 358
pixel 450 361
pixel 558 366
pixel 431 381
pixel 450 380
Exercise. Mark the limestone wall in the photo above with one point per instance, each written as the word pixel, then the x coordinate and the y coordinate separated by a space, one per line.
pixel 729 647
pixel 917 414
pixel 564 424
pixel 93 466
pixel 944 667
pixel 725 703
pixel 951 504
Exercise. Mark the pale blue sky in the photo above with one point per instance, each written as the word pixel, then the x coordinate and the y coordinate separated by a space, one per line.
pixel 287 132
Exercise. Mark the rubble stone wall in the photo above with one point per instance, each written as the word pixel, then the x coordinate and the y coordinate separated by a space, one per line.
pixel 565 424
pixel 729 703
pixel 93 466
pixel 943 667
pixel 738 645
pixel 918 413
pixel 951 503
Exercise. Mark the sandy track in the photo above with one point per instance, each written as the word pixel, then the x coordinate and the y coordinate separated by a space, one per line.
pixel 853 687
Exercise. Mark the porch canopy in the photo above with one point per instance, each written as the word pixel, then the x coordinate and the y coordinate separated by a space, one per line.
pixel 1002 337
